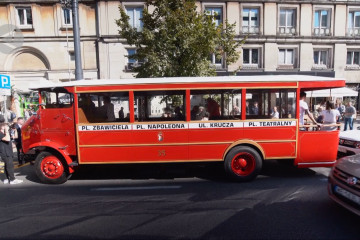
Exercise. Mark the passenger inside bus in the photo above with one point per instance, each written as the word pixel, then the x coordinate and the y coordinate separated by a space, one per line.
pixel 101 107
pixel 213 108
pixel 107 110
pixel 330 116
pixel 87 105
pixel 255 109
pixel 179 114
pixel 275 113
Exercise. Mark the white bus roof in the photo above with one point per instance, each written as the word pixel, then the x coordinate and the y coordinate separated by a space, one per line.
pixel 225 79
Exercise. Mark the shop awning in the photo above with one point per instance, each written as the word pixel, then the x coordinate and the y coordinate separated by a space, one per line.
pixel 334 92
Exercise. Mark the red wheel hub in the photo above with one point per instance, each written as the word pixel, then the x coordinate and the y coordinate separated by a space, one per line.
pixel 243 164
pixel 52 167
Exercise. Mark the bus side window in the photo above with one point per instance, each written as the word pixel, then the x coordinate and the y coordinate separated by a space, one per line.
pixel 270 103
pixel 214 104
pixel 104 107
pixel 160 106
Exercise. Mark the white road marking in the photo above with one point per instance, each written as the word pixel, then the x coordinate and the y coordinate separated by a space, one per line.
pixel 135 188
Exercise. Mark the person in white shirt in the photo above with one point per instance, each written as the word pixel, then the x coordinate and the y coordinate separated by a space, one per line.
pixel 304 109
pixel 330 116
pixel 275 113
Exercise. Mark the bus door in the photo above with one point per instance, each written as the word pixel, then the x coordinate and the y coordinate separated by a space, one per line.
pixel 57 119
pixel 316 147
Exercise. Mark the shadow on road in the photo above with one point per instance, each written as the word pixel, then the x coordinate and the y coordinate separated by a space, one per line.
pixel 206 171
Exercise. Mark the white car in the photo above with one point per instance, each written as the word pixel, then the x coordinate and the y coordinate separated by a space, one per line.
pixel 349 143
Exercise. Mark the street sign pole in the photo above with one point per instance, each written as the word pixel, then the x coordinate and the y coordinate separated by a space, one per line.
pixel 5 90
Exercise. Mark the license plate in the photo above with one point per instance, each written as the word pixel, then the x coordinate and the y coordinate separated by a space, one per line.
pixel 347 194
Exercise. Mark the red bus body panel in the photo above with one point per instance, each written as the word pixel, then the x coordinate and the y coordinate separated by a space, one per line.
pixel 130 143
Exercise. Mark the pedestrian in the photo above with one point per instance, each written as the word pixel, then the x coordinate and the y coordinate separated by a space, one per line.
pixel 17 139
pixel 6 153
pixel 11 115
pixel 350 111
pixel 304 109
pixel 26 114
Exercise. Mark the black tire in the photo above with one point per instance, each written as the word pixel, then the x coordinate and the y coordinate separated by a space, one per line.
pixel 243 163
pixel 43 176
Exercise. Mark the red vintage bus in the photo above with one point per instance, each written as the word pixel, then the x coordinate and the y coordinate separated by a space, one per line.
pixel 241 121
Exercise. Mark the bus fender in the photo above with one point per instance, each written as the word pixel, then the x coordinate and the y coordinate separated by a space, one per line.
pixel 58 149
pixel 248 143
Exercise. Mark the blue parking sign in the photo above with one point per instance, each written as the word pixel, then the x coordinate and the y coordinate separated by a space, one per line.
pixel 5 85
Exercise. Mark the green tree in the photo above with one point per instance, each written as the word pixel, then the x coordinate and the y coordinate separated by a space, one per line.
pixel 176 40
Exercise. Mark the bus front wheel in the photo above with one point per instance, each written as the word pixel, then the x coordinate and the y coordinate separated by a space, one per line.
pixel 50 169
pixel 243 163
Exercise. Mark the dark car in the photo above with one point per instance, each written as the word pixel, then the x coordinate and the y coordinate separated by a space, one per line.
pixel 344 183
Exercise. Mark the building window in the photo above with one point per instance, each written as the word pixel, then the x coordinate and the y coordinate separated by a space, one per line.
pixel 251 58
pixel 250 20
pixel 287 23
pixel 72 55
pixel 67 16
pixel 286 58
pixel 321 59
pixel 217 14
pixel 353 59
pixel 131 62
pixel 322 22
pixel 354 23
pixel 216 62
pixel 135 14
pixel 24 16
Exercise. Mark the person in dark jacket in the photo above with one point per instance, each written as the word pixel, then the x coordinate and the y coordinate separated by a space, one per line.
pixel 17 140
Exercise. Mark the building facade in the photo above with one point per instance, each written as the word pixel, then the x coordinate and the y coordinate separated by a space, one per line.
pixel 283 37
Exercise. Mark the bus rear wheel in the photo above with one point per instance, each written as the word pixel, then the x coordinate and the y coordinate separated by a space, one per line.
pixel 50 169
pixel 243 163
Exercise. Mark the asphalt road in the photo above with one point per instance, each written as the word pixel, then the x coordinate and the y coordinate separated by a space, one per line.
pixel 174 202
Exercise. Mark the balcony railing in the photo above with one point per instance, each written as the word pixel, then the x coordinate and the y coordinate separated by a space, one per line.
pixel 251 30
pixel 287 30
pixel 321 31
pixel 319 67
pixel 247 66
pixel 354 32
